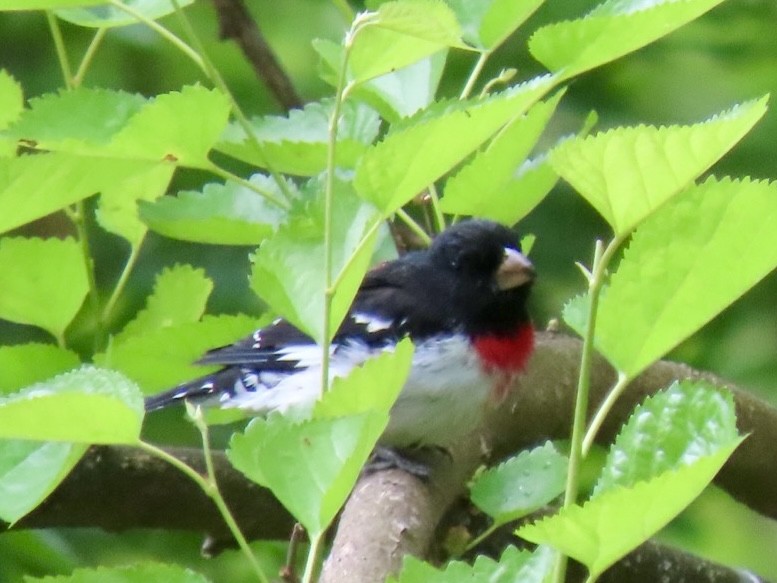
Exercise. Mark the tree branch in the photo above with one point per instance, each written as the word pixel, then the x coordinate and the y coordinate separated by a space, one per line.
pixel 391 514
pixel 236 22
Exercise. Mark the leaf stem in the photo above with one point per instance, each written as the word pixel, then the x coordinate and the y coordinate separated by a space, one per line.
pixel 122 282
pixel 77 213
pixel 163 32
pixel 474 74
pixel 439 219
pixel 88 57
pixel 602 257
pixel 270 196
pixel 604 409
pixel 313 553
pixel 59 46
pixel 213 74
pixel 481 537
pixel 413 226
pixel 355 253
pixel 210 488
pixel 329 291
pixel 345 9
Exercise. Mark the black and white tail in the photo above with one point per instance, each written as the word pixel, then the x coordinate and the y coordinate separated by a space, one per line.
pixel 199 390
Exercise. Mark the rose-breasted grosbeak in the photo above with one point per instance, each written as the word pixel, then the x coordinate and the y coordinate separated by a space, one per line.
pixel 462 302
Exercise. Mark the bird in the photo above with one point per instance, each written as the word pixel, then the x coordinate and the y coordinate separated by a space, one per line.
pixel 462 302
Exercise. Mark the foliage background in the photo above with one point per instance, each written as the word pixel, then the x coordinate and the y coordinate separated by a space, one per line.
pixel 727 56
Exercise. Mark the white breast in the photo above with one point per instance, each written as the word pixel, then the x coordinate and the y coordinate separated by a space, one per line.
pixel 443 397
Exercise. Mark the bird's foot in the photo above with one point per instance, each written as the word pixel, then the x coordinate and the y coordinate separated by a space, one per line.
pixel 417 461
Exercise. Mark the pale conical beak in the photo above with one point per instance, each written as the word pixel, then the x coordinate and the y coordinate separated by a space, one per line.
pixel 516 270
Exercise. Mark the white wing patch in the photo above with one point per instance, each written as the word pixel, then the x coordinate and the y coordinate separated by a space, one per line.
pixel 295 391
pixel 371 322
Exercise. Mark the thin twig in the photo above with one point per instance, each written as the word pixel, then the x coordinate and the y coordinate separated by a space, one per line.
pixel 288 572
pixel 236 23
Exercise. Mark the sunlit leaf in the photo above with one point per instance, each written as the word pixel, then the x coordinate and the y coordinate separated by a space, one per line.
pixel 179 297
pixel 11 99
pixel 224 214
pixel 45 4
pixel 684 265
pixel 164 357
pixel 627 173
pixel 45 282
pixel 520 485
pixel 289 271
pixel 513 565
pixel 76 121
pixel 178 127
pixel 24 364
pixel 117 211
pixel 33 186
pixel 399 34
pixel 611 30
pixel 484 187
pixel 143 573
pixel 298 144
pixel 181 126
pixel 309 466
pixel 608 527
pixel 670 429
pixel 87 405
pixel 487 23
pixel 403 92
pixel 30 471
pixel 421 149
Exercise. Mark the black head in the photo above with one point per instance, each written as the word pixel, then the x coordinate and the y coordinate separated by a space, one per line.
pixel 494 277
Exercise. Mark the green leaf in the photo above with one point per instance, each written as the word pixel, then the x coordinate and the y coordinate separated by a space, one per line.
pixel 145 573
pixel 298 144
pixel 30 471
pixel 46 284
pixel 74 120
pixel 670 429
pixel 163 358
pixel 420 150
pixel 110 16
pixel 680 271
pixel 403 92
pixel 33 186
pixel 45 4
pixel 117 211
pixel 611 30
pixel 288 270
pixel 487 23
pixel 11 99
pixel 180 127
pixel 608 527
pixel 627 173
pixel 575 312
pixel 87 405
pixel 399 34
pixel 520 485
pixel 24 364
pixel 223 214
pixel 513 565
pixel 310 466
pixel 485 186
pixel 179 297
pixel 373 386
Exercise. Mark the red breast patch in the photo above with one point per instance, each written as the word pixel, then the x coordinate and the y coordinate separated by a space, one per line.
pixel 508 353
